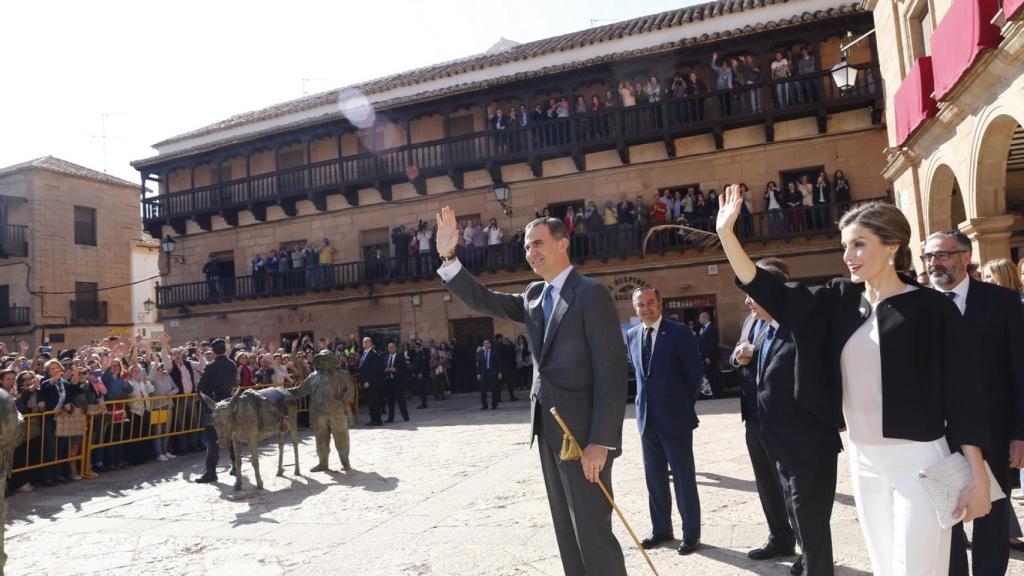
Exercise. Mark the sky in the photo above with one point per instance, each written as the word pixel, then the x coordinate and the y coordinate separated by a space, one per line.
pixel 97 83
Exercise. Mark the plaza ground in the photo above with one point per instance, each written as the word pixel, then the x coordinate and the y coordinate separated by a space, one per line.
pixel 456 491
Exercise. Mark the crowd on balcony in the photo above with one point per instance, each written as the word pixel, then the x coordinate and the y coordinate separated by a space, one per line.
pixel 737 79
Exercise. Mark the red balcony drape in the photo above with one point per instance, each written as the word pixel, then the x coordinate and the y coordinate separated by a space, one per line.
pixel 966 31
pixel 1011 8
pixel 913 100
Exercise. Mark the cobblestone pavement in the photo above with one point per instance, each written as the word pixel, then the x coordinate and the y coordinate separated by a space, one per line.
pixel 454 492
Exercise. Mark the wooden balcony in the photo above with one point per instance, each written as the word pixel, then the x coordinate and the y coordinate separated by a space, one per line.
pixel 714 112
pixel 613 242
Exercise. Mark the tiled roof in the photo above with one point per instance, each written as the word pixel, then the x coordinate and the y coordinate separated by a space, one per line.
pixel 519 52
pixel 51 164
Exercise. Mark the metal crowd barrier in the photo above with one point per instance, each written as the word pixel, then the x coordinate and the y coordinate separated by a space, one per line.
pixel 116 425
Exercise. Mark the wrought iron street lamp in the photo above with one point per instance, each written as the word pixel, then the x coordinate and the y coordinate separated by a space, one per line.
pixel 844 75
pixel 501 194
pixel 148 305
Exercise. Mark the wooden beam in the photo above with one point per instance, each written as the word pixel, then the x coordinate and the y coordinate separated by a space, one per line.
pixel 420 184
pixel 822 121
pixel 290 207
pixel 385 190
pixel 579 159
pixel 494 169
pixel 719 137
pixel 536 166
pixel 455 175
pixel 230 216
pixel 351 196
pixel 259 212
pixel 769 129
pixel 319 201
pixel 178 224
pixel 670 146
pixel 623 151
pixel 205 222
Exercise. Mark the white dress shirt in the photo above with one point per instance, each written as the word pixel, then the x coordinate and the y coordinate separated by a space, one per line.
pixel 654 335
pixel 961 293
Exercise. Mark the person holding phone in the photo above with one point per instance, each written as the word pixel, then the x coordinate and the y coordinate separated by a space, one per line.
pixel 884 357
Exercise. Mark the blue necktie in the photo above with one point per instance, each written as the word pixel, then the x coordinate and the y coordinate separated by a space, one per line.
pixel 765 346
pixel 950 295
pixel 548 304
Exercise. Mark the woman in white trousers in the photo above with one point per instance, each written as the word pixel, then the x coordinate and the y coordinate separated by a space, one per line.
pixel 884 357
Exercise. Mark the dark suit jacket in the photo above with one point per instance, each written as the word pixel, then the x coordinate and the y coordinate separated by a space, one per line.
pixel 372 369
pixel 926 379
pixel 483 373
pixel 401 374
pixel 747 374
pixel 995 324
pixel 219 378
pixel 818 192
pixel 709 342
pixel 793 435
pixel 579 367
pixel 667 394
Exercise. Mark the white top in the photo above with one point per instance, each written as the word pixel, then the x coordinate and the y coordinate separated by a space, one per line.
pixel 861 365
pixel 772 204
pixel 780 68
pixel 493 236
pixel 423 238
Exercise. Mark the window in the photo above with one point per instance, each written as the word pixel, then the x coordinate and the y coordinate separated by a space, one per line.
pixel 373 240
pixel 87 291
pixel 795 175
pixel 291 245
pixel 921 28
pixel 460 125
pixel 381 335
pixel 558 209
pixel 85 226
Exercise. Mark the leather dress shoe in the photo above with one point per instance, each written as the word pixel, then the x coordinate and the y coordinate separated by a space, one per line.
pixel 770 550
pixel 798 567
pixel 206 479
pixel 688 547
pixel 655 539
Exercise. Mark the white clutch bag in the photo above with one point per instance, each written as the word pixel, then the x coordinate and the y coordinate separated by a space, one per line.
pixel 945 480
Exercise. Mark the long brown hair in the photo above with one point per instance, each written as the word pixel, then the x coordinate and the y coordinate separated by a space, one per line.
pixel 888 223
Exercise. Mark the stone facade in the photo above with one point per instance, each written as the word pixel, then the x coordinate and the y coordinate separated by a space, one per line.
pixel 55 262
pixel 852 144
pixel 952 171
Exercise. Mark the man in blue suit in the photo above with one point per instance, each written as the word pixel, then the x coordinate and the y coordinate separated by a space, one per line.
pixel 668 366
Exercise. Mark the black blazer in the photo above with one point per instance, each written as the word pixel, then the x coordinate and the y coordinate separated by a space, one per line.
pixel 401 374
pixel 371 369
pixel 995 324
pixel 926 378
pixel 793 434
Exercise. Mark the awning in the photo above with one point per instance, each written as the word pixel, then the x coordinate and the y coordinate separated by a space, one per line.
pixel 913 100
pixel 966 31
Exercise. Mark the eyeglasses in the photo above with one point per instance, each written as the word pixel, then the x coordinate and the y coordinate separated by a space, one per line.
pixel 941 255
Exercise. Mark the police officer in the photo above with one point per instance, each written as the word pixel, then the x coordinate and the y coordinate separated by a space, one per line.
pixel 218 380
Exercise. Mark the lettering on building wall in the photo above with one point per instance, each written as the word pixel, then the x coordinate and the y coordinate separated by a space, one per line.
pixel 295 318
pixel 622 287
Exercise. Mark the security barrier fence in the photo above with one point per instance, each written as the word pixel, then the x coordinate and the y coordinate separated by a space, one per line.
pixel 60 437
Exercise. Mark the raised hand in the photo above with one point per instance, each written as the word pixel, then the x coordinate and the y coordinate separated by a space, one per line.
pixel 447 232
pixel 729 209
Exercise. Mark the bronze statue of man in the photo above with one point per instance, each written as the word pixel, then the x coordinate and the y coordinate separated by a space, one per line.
pixel 329 389
pixel 11 430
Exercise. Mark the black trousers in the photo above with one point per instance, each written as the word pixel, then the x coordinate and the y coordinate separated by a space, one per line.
pixel 777 510
pixel 810 490
pixel 581 514
pixel 990 544
pixel 395 390
pixel 376 398
pixel 213 450
pixel 489 383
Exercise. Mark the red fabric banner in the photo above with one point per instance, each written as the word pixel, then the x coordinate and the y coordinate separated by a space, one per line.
pixel 913 100
pixel 966 31
pixel 1011 8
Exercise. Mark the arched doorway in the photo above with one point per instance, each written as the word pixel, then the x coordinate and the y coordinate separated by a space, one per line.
pixel 999 188
pixel 946 208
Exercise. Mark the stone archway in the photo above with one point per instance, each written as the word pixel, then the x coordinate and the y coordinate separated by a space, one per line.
pixel 946 207
pixel 998 175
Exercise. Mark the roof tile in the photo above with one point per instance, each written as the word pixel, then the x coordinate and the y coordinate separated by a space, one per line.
pixel 59 166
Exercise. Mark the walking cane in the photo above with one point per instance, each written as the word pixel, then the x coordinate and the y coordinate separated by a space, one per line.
pixel 571 451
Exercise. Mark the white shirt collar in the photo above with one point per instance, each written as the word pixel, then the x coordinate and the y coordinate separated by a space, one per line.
pixel 656 325
pixel 961 293
pixel 558 281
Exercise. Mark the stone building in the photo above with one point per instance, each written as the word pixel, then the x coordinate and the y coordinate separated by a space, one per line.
pixel 954 77
pixel 145 274
pixel 66 261
pixel 351 164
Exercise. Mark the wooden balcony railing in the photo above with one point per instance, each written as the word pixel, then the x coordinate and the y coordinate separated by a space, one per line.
pixel 13 241
pixel 15 316
pixel 611 242
pixel 616 128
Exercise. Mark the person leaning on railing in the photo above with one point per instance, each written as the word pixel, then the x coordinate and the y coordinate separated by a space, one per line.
pixel 138 412
pixel 55 393
pixel 118 390
pixel 29 452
